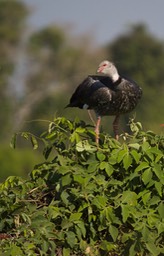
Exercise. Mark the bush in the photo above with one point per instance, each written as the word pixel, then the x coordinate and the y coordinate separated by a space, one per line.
pixel 87 200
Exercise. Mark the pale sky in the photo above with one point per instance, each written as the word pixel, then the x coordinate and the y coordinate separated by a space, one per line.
pixel 104 19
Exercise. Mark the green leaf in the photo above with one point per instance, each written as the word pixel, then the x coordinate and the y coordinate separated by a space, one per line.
pixel 71 238
pixel 66 251
pixel 16 250
pixel 133 175
pixel 107 167
pixel 26 218
pixel 147 176
pixel 85 146
pixel 146 197
pixel 25 135
pixel 88 147
pixel 156 151
pixel 100 201
pixel 152 248
pixel 64 169
pixel 78 232
pixel 13 140
pixel 132 251
pixel 80 130
pixel 53 211
pixel 106 246
pixel 125 212
pixel 112 160
pixel 154 200
pixel 75 216
pixel 103 165
pixel 161 210
pixel 80 146
pixel 46 152
pixel 93 167
pixel 158 157
pixel 145 146
pixel 82 228
pixel 152 219
pixel 145 232
pixel 34 142
pixel 127 161
pixel 62 160
pixel 129 197
pixel 101 157
pixel 100 180
pixel 121 155
pixel 160 228
pixel 135 145
pixel 66 224
pixel 142 166
pixel 109 214
pixel 157 170
pixel 159 187
pixel 135 155
pixel 64 197
pixel 79 179
pixel 66 180
pixel 114 232
pixel 135 127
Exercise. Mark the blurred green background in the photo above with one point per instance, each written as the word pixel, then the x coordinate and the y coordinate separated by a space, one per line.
pixel 56 63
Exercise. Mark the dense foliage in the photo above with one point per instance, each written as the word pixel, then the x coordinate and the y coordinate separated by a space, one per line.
pixel 84 199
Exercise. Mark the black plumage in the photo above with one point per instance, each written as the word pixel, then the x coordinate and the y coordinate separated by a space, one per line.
pixel 110 94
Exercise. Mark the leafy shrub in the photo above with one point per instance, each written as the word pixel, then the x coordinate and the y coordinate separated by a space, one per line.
pixel 84 199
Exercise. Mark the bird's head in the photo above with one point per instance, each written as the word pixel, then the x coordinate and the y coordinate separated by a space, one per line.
pixel 108 68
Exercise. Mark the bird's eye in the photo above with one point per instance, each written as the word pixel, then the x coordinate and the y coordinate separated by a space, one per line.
pixel 104 64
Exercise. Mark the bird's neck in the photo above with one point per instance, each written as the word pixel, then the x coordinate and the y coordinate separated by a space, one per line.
pixel 115 77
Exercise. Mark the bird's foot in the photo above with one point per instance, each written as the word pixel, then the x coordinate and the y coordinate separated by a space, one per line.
pixel 97 129
pixel 97 136
pixel 115 127
pixel 97 140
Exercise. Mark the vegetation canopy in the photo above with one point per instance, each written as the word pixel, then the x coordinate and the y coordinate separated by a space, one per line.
pixel 85 200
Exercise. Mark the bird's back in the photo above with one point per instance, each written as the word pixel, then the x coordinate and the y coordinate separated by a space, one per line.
pixel 106 97
pixel 116 98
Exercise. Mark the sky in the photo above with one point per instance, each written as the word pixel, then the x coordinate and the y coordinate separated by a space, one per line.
pixel 104 20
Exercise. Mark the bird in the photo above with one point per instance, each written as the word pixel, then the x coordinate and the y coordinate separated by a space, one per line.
pixel 108 94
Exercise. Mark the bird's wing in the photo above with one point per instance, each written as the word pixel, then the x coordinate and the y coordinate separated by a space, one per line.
pixel 82 92
pixel 130 87
pixel 89 92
